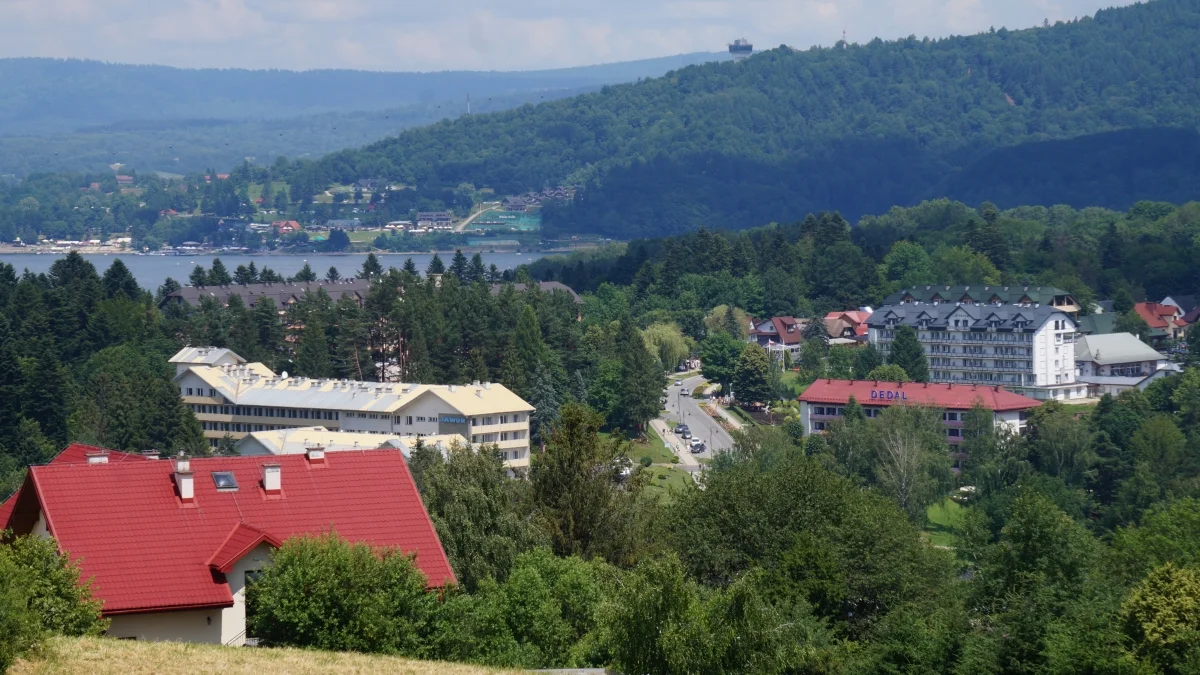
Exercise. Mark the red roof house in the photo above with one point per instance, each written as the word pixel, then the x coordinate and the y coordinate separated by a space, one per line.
pixel 779 332
pixel 286 226
pixel 169 544
pixel 824 402
pixel 849 325
pixel 1164 320
pixel 75 453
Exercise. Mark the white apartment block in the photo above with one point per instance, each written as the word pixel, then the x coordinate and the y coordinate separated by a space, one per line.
pixel 1029 349
pixel 235 398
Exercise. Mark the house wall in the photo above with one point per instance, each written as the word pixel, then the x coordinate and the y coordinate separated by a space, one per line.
pixel 201 625
pixel 233 619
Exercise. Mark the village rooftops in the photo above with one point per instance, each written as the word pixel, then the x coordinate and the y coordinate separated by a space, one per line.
pixel 943 396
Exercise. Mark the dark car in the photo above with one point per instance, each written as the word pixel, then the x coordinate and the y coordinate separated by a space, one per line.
pixel 680 428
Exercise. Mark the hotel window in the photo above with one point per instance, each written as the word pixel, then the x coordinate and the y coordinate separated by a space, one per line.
pixel 488 421
pixel 408 420
pixel 504 435
pixel 212 393
pixel 954 433
pixel 504 419
pixel 474 421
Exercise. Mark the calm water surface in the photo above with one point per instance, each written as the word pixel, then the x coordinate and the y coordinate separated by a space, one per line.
pixel 150 271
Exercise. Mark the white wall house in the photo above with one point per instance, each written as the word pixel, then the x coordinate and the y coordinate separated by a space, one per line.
pixel 1117 362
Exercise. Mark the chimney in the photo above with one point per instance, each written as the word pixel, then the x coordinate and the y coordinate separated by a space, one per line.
pixel 272 479
pixel 150 454
pixel 97 456
pixel 184 479
pixel 316 455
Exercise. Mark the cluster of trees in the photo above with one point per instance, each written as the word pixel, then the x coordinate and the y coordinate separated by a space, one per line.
pixel 807 268
pixel 84 358
pixel 853 127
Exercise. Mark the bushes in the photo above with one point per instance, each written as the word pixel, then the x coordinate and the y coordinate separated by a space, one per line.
pixel 40 594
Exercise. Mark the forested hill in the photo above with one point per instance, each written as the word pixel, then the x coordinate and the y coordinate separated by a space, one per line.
pixel 51 96
pixel 856 129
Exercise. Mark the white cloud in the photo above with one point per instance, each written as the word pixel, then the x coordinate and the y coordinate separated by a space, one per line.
pixel 476 34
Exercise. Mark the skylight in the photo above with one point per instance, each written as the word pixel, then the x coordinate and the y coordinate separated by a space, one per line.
pixel 224 481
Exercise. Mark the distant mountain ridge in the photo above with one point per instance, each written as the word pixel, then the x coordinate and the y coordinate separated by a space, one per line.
pixel 857 128
pixel 40 96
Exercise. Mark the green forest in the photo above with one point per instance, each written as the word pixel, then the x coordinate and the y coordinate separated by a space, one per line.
pixel 856 128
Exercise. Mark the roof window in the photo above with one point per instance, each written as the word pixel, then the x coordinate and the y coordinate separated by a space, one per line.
pixel 225 481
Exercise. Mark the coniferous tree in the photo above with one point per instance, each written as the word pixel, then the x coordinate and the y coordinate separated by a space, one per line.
pixel 417 367
pixel 479 368
pixel 353 358
pixel 512 373
pixel 305 274
pixel 544 400
pixel 458 266
pixel 436 266
pixel 531 350
pixel 312 358
pixel 866 359
pixel 411 267
pixel 908 353
pixel 119 282
pixel 198 276
pixel 423 458
pixel 476 272
pixel 218 275
pixel 332 274
pixel 371 268
pixel 642 380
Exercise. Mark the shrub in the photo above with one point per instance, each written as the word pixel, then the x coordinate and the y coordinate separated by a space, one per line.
pixel 646 461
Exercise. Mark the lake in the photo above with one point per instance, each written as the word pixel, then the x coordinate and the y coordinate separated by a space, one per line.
pixel 151 270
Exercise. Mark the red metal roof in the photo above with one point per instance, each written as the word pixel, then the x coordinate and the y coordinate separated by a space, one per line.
pixel 1157 315
pixel 75 453
pixel 242 539
pixel 947 396
pixel 146 551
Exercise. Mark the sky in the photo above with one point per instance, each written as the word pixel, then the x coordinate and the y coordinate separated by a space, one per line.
pixel 424 35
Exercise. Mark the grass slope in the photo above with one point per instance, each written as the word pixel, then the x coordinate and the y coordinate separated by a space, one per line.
pixel 101 656
pixel 942 519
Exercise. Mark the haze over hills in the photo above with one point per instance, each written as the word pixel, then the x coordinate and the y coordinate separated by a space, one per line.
pixel 73 115
pixel 857 129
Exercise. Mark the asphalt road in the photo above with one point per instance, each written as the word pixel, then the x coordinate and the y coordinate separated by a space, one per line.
pixel 687 410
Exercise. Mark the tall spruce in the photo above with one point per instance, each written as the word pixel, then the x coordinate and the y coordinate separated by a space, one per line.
pixel 909 355
pixel 642 379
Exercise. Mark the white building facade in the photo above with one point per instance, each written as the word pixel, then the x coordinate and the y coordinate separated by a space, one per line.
pixel 236 398
pixel 1029 350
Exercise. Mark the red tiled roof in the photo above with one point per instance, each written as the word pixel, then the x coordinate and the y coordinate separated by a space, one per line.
pixel 146 551
pixel 1157 315
pixel 75 453
pixel 855 319
pixel 242 539
pixel 947 396
pixel 781 324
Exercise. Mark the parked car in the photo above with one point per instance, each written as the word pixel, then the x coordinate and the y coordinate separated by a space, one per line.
pixel 680 428
pixel 686 434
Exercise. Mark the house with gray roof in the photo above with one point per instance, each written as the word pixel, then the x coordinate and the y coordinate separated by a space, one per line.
pixel 1113 363
pixel 282 293
pixel 981 294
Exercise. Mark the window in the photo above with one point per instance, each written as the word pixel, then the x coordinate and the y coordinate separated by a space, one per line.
pixel 408 420
pixel 504 435
pixel 189 390
pixel 474 421
pixel 212 393
pixel 954 433
pixel 225 481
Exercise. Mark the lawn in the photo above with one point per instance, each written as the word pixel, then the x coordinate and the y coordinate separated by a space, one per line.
pixel 940 522
pixel 791 380
pixel 364 236
pixel 652 446
pixel 664 480
pixel 103 656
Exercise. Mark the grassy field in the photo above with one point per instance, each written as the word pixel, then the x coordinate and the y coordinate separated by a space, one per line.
pixel 364 236
pixel 791 379
pixel 100 656
pixel 942 518
pixel 652 446
pixel 664 480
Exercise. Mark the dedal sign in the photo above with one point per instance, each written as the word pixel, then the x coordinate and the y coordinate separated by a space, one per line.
pixel 889 395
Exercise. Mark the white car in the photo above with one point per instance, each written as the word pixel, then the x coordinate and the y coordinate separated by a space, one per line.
pixel 678 383
pixel 685 392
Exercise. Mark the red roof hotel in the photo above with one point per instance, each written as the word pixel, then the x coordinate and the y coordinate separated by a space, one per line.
pixel 169 544
pixel 825 401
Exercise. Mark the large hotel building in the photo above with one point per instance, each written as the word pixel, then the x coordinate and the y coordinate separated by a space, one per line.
pixel 235 398
pixel 1020 337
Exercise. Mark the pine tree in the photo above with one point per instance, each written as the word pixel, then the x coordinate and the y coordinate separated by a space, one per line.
pixel 642 380
pixel 305 274
pixel 579 388
pixel 458 266
pixel 11 381
pixel 332 274
pixel 119 282
pixel 476 272
pixel 544 400
pixel 269 332
pixel 218 275
pixel 512 374
pixel 312 358
pixel 410 267
pixel 866 359
pixel 198 276
pixel 436 266
pixel 853 412
pixel 353 358
pixel 479 368
pixel 371 268
pixel 909 355
pixel 423 458
pixel 732 325
pixel 417 367
pixel 531 351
